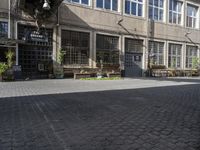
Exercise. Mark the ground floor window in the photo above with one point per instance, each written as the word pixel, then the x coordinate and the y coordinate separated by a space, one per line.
pixel 191 55
pixel 174 56
pixel 107 49
pixel 76 47
pixel 156 50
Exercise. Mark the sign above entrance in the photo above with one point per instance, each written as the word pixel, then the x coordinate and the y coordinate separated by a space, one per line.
pixel 36 36
pixel 40 37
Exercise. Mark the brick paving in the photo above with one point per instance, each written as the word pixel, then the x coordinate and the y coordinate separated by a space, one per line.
pixel 156 118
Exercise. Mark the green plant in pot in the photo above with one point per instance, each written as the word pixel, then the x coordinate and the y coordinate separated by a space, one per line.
pixel 9 72
pixel 58 71
pixel 3 68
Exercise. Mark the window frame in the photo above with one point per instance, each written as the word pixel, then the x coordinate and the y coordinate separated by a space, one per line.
pixel 157 53
pixel 116 49
pixel 188 56
pixel 111 6
pixel 176 12
pixel 196 17
pixel 159 10
pixel 4 34
pixel 176 55
pixel 78 3
pixel 137 8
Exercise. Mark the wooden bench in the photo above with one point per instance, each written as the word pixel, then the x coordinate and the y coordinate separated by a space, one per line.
pixel 81 75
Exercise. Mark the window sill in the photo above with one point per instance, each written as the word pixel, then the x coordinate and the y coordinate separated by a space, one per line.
pixel 107 10
pixel 78 4
pixel 133 16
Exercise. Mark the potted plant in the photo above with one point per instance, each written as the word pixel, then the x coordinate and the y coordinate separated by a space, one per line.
pixel 58 71
pixel 9 75
pixel 3 68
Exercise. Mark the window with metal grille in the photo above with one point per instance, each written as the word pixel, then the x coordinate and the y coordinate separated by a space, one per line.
pixel 133 45
pixel 76 47
pixel 191 54
pixel 3 29
pixel 174 55
pixel 156 52
pixel 107 49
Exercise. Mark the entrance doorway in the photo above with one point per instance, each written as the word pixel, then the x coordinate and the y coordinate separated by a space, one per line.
pixel 133 57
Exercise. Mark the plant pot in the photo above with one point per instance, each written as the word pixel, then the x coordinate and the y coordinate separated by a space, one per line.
pixel 59 76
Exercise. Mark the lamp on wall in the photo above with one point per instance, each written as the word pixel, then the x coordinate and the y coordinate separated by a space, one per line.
pixel 46 5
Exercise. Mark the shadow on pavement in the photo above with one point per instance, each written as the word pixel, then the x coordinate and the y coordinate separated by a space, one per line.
pixel 163 118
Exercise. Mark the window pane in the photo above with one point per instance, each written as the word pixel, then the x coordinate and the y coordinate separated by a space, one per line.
pixel 115 5
pixel 156 13
pixel 161 3
pixel 150 2
pixel 179 18
pixel 156 3
pixel 170 4
pixel 139 9
pixel 99 3
pixel 85 2
pixel 133 8
pixel 77 1
pixel 161 15
pixel 170 17
pixel 107 4
pixel 127 7
pixel 151 12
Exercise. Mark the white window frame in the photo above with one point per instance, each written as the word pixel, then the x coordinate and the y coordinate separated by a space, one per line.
pixel 188 57
pixel 159 8
pixel 137 4
pixel 176 12
pixel 111 6
pixel 80 2
pixel 193 17
pixel 175 55
pixel 157 54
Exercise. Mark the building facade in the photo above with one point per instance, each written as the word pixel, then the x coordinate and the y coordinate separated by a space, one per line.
pixel 123 35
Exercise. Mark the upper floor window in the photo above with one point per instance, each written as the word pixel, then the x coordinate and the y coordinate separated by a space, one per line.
pixel 3 29
pixel 84 2
pixel 192 16
pixel 175 8
pixel 134 7
pixel 156 9
pixel 107 4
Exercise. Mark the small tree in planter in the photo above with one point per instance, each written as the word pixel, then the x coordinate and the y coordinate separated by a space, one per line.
pixel 58 71
pixel 3 68
pixel 9 73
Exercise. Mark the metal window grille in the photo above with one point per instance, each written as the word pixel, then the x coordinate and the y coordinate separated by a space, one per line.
pixel 174 55
pixel 76 47
pixel 191 53
pixel 33 52
pixel 3 29
pixel 107 49
pixel 156 49
pixel 134 46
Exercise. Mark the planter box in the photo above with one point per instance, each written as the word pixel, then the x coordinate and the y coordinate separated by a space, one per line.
pixel 111 75
pixel 81 75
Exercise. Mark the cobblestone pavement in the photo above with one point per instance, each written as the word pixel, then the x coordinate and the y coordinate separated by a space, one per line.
pixel 157 118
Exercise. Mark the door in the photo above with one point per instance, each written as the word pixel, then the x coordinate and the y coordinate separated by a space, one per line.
pixel 133 64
